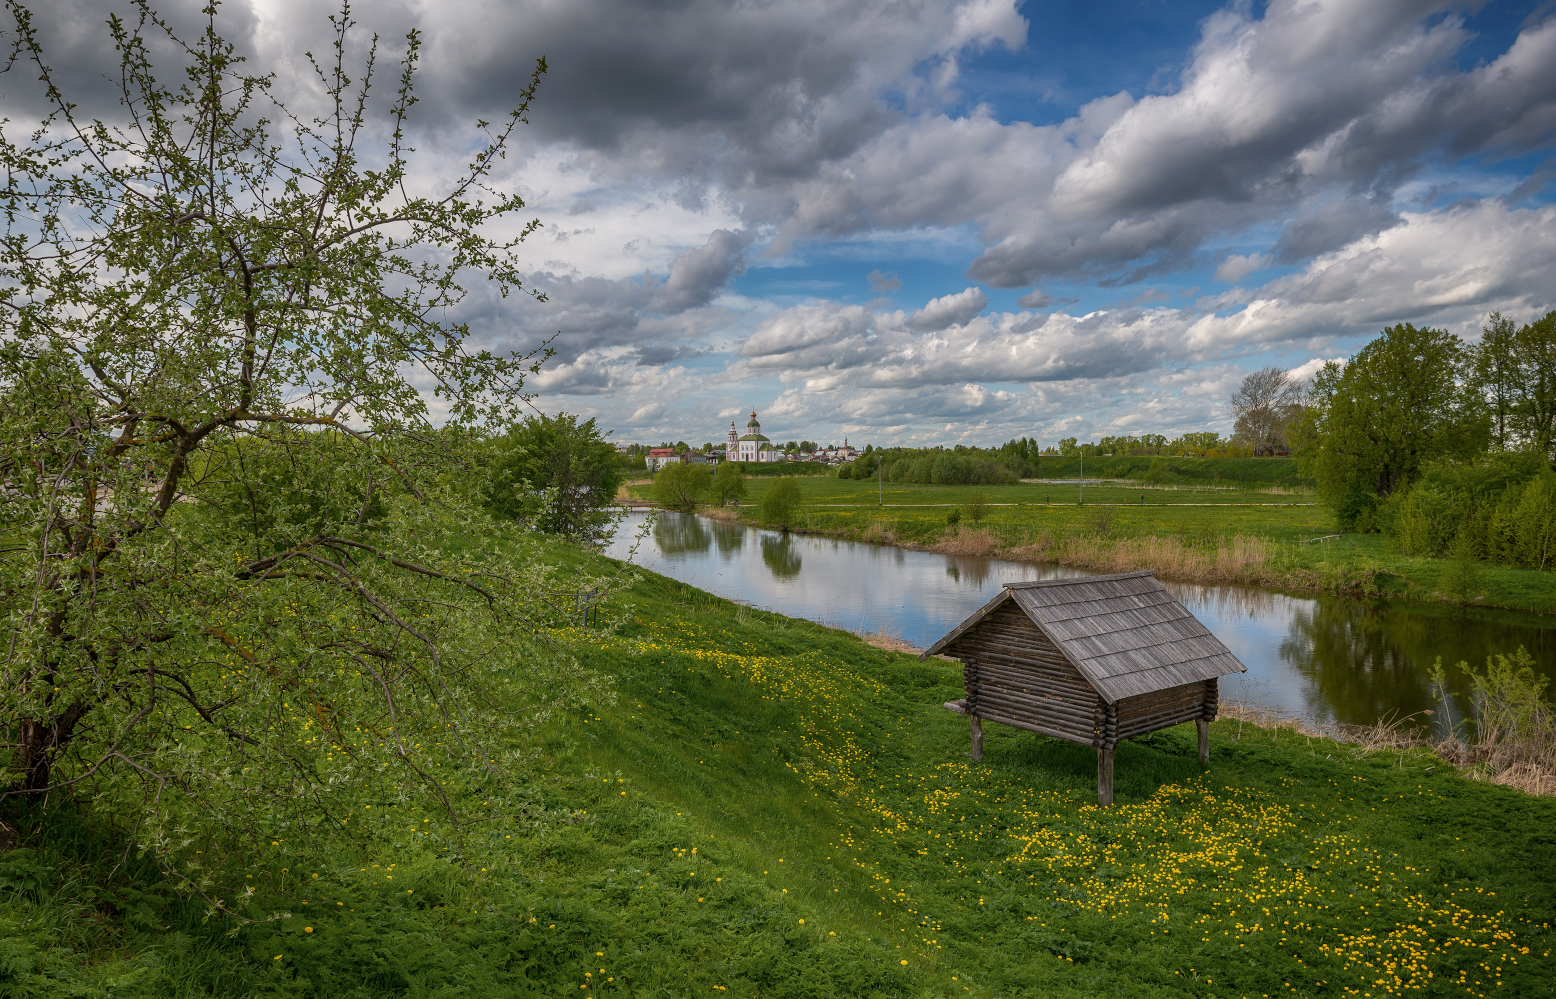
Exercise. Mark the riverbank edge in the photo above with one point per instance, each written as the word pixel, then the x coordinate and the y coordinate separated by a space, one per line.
pixel 1271 574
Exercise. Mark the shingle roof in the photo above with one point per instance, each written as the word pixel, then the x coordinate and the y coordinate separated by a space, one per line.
pixel 1125 633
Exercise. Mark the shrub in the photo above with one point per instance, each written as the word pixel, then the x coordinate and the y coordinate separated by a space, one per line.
pixel 1534 524
pixel 949 469
pixel 1421 521
pixel 954 517
pixel 558 473
pixel 781 503
pixel 679 486
pixel 900 470
pixel 976 507
pixel 919 473
pixel 729 483
pixel 1462 578
pixel 845 471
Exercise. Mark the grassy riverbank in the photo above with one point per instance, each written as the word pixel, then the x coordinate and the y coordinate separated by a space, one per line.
pixel 773 808
pixel 1261 534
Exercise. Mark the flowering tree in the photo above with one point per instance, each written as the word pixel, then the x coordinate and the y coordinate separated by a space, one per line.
pixel 239 576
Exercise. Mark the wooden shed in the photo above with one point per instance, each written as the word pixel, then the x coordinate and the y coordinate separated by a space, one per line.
pixel 1092 660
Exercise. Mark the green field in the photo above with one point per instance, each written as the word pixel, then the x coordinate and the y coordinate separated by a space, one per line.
pixel 772 808
pixel 1301 554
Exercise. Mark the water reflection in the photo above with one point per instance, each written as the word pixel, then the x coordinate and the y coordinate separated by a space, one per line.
pixel 1331 658
pixel 779 555
pixel 680 535
pixel 728 539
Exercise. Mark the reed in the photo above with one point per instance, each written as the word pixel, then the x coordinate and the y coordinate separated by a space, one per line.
pixel 1239 559
pixel 880 532
pixel 1514 740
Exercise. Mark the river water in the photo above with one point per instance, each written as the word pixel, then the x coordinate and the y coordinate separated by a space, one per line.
pixel 1328 658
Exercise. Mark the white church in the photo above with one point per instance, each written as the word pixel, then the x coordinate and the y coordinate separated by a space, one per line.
pixel 752 446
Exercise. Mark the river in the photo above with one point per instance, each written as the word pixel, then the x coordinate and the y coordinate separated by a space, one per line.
pixel 1327 658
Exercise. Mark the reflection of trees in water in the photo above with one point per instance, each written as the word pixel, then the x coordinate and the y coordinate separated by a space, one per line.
pixel 677 534
pixel 1366 661
pixel 969 569
pixel 727 538
pixel 1231 601
pixel 781 556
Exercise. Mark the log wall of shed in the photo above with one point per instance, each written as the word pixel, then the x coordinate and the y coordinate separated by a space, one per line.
pixel 1014 675
pixel 1165 708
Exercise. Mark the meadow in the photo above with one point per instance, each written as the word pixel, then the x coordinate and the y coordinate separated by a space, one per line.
pixel 772 808
pixel 1250 532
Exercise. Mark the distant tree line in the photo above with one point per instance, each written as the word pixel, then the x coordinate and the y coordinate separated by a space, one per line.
pixel 1442 446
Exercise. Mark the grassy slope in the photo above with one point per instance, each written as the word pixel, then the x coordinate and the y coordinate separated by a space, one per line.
pixel 1199 515
pixel 772 808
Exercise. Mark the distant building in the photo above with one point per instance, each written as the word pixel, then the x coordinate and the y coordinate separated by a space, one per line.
pixel 752 446
pixel 659 457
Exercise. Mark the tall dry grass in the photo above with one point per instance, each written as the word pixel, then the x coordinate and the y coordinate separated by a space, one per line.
pixel 961 540
pixel 1238 559
pixel 880 533
pixel 1524 761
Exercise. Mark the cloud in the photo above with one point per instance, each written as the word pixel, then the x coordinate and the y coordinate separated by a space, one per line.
pixel 880 281
pixel 1236 267
pixel 1310 104
pixel 1329 227
pixel 697 276
pixel 949 310
pixel 1450 267
pixel 1035 299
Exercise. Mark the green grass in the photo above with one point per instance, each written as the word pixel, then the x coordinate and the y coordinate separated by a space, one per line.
pixel 830 490
pixel 916 515
pixel 772 808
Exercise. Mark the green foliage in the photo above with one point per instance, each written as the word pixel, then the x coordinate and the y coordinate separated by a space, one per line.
pixel 682 487
pixel 845 471
pixel 556 472
pixel 1503 506
pixel 948 469
pixel 1515 370
pixel 245 591
pixel 1509 696
pixel 954 517
pixel 729 483
pixel 1371 425
pixel 272 487
pixel 781 503
pixel 976 507
pixel 1462 576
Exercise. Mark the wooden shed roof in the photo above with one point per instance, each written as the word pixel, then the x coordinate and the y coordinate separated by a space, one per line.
pixel 1126 634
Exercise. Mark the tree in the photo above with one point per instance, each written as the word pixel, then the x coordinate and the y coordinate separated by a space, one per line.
pixel 1267 401
pixel 729 483
pixel 1370 426
pixel 558 472
pixel 781 502
pixel 680 486
pixel 1534 408
pixel 213 289
pixel 1496 374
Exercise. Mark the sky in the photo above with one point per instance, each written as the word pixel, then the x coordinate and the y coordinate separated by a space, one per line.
pixel 959 222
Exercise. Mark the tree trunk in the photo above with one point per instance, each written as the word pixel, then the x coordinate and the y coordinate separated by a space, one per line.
pixel 39 743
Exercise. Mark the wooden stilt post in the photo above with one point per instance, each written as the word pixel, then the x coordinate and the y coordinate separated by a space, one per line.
pixel 1204 740
pixel 977 737
pixel 1104 777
